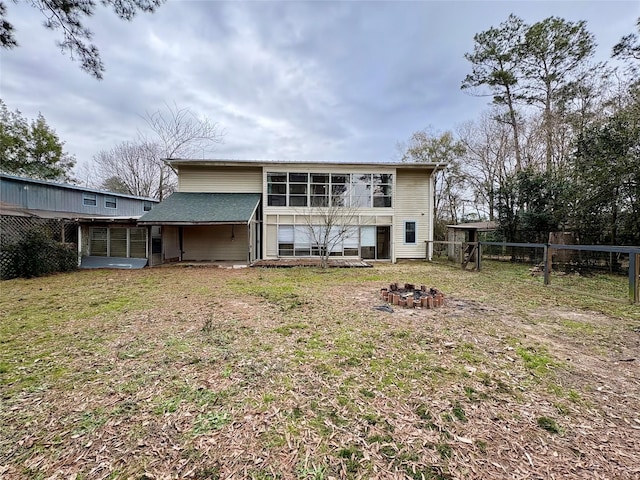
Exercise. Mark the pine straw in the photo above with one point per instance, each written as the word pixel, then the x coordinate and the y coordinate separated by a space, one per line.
pixel 312 382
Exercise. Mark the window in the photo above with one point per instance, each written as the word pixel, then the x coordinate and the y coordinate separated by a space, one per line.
pixel 285 240
pixel 110 202
pixel 298 183
pixel 319 189
pixel 98 241
pixel 382 188
pixel 410 232
pixel 340 190
pixel 277 189
pixel 118 242
pixel 89 199
pixel 137 243
pixel 359 190
pixel 146 206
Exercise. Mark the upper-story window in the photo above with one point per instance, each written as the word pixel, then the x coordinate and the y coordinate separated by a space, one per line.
pixel 359 190
pixel 319 190
pixel 110 202
pixel 298 188
pixel 277 189
pixel 89 199
pixel 146 206
pixel 382 188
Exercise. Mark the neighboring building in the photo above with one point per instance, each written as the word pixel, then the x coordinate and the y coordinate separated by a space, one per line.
pixel 102 224
pixel 250 210
pixel 461 234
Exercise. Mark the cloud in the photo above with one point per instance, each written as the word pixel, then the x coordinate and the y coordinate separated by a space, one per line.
pixel 286 80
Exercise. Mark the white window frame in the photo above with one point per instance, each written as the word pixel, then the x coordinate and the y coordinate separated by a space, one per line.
pixel 371 198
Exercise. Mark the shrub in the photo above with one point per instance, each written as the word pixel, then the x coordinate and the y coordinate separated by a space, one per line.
pixel 35 255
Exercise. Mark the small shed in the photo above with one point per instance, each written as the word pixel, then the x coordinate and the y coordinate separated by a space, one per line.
pixel 464 233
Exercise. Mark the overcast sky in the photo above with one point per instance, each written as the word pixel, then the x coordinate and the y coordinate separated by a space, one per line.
pixel 332 81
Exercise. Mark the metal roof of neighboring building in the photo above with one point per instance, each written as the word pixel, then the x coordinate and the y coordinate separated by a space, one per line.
pixel 73 187
pixel 182 208
pixel 18 211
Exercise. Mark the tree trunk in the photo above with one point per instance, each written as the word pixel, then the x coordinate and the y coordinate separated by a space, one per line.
pixel 548 127
pixel 514 126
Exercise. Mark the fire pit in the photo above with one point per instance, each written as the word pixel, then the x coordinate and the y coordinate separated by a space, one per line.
pixel 412 297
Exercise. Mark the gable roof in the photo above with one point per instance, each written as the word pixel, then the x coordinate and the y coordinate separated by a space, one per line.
pixel 182 208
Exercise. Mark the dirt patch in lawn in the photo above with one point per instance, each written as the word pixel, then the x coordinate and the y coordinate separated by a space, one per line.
pixel 293 374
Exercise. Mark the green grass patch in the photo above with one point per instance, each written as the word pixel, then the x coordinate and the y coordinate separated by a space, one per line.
pixel 536 359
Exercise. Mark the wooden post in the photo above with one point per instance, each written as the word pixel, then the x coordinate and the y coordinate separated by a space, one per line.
pixel 548 263
pixel 634 273
pixel 479 256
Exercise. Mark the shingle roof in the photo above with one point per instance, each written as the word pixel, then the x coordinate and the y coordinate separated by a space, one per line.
pixel 183 208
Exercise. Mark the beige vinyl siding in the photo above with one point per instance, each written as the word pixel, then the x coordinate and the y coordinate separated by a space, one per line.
pixel 213 243
pixel 412 203
pixel 170 243
pixel 220 179
pixel 271 241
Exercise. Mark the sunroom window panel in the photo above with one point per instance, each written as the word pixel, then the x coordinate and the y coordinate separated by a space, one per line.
pixel 351 238
pixel 277 200
pixel 285 240
pixel 302 244
pixel 137 243
pixel 276 177
pixel 297 200
pixel 335 240
pixel 361 190
pixel 382 202
pixel 277 188
pixel 298 177
pixel 368 236
pixel 98 242
pixel 118 242
pixel 340 195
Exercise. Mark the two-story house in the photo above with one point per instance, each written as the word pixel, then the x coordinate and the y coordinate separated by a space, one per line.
pixel 249 210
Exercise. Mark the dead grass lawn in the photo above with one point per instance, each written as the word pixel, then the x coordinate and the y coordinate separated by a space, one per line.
pixel 291 374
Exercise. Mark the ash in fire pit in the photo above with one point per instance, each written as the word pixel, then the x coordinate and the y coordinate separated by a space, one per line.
pixel 412 297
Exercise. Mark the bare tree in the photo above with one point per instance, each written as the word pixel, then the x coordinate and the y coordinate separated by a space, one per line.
pixel 327 227
pixel 179 133
pixel 131 167
pixel 488 157
pixel 140 165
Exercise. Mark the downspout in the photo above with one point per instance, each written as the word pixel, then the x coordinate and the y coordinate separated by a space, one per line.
pixel 430 218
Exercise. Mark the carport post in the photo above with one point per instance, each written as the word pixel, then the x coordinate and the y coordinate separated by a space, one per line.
pixel 479 257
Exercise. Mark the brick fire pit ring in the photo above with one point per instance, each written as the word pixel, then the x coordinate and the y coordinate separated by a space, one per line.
pixel 411 296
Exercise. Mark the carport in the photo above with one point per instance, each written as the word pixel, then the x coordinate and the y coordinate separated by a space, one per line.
pixel 207 227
